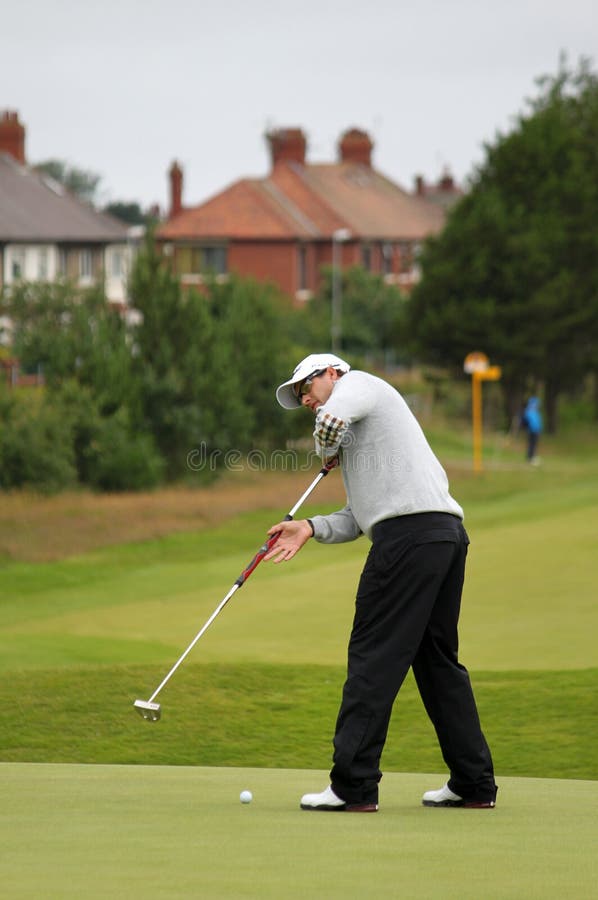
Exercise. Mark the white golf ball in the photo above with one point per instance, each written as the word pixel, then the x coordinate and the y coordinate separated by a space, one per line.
pixel 246 797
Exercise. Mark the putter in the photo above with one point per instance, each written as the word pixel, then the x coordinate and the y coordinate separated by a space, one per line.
pixel 151 711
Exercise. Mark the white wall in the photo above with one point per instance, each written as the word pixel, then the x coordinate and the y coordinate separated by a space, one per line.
pixel 118 259
pixel 35 262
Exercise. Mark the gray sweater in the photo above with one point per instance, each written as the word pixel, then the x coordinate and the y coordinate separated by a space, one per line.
pixel 387 465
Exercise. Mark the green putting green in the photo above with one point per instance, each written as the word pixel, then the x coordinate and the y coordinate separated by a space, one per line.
pixel 172 832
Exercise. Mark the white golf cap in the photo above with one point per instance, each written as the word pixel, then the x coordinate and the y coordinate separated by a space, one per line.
pixel 316 362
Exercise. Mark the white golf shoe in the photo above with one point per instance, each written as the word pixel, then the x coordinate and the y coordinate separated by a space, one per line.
pixel 327 801
pixel 443 797
pixel 446 797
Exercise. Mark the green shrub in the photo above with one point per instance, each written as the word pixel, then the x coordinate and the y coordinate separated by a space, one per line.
pixel 121 460
pixel 36 446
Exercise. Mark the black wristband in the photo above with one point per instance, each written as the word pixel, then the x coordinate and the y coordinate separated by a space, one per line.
pixel 311 525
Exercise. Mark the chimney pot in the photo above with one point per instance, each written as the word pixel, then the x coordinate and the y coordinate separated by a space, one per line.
pixel 287 145
pixel 12 136
pixel 176 189
pixel 447 182
pixel 355 146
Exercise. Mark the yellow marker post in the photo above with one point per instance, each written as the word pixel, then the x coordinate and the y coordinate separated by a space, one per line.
pixel 477 365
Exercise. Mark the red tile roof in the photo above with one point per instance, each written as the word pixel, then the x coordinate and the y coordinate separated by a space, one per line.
pixel 247 209
pixel 369 204
pixel 309 201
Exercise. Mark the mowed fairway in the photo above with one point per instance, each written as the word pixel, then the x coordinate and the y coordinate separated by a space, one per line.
pixel 529 602
pixel 158 813
pixel 168 832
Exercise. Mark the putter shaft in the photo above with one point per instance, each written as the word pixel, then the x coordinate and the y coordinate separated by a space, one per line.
pixel 150 710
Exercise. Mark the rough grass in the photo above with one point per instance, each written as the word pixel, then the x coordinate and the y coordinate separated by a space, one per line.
pixel 37 528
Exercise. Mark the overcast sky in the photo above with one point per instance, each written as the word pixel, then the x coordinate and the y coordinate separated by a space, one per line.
pixel 123 87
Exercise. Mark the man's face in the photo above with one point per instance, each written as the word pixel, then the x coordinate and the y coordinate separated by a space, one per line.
pixel 317 393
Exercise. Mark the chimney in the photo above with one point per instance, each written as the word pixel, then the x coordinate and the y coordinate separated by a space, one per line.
pixel 176 189
pixel 447 182
pixel 420 186
pixel 12 136
pixel 355 146
pixel 287 145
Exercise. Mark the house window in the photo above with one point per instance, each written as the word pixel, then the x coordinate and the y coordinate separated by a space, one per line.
pixel 183 261
pixel 417 252
pixel 42 263
pixel 366 256
pixel 406 252
pixel 386 259
pixel 62 262
pixel 85 263
pixel 17 265
pixel 214 259
pixel 198 260
pixel 302 267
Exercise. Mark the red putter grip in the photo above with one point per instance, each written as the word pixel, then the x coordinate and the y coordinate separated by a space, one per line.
pixel 265 548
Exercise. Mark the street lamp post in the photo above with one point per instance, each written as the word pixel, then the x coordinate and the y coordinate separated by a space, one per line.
pixel 336 325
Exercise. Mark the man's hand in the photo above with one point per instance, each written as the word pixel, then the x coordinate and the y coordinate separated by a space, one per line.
pixel 293 535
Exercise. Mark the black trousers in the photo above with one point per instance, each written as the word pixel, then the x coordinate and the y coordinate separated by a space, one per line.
pixel 406 614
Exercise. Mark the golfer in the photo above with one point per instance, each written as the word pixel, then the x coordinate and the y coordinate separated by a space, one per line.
pixel 531 420
pixel 409 593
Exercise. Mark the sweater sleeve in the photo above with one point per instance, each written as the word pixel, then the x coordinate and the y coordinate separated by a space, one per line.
pixel 336 528
pixel 350 400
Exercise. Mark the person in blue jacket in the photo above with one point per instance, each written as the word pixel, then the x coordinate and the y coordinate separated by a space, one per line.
pixel 532 422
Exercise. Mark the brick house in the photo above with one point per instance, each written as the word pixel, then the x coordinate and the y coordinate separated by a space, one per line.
pixel 301 216
pixel 47 233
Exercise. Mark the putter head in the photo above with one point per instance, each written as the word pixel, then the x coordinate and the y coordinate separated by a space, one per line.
pixel 148 711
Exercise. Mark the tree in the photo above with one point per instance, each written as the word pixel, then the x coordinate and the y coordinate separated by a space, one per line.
pixel 81 182
pixel 515 271
pixel 249 317
pixel 80 426
pixel 36 448
pixel 372 313
pixel 190 390
pixel 129 212
pixel 72 336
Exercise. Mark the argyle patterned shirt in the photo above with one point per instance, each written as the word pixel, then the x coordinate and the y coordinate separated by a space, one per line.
pixel 328 434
